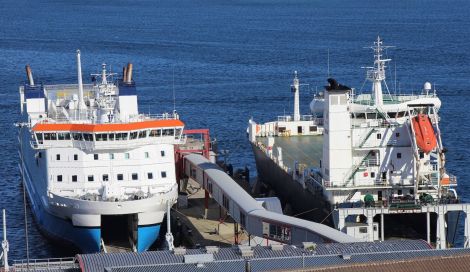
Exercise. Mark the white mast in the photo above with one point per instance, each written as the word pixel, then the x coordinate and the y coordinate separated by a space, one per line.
pixel 81 102
pixel 5 244
pixel 377 73
pixel 295 89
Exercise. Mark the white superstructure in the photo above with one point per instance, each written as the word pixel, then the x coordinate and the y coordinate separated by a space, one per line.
pixel 87 152
pixel 378 149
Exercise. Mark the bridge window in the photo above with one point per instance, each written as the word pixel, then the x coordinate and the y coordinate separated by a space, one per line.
pixel 39 137
pixel 77 136
pixel 135 176
pixel 150 175
pixel 111 136
pixel 177 133
pixel 168 132
pixel 101 137
pixel 155 133
pixel 91 178
pixel 121 136
pixel 163 174
pixel 120 177
pixel 74 178
pixel 88 137
pixel 59 178
pixel 95 157
pixel 133 135
pixel 142 134
pixel 105 177
pixel 63 136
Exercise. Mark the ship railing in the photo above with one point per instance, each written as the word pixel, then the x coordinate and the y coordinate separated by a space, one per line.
pixel 389 99
pixel 45 264
pixel 85 118
pixel 289 118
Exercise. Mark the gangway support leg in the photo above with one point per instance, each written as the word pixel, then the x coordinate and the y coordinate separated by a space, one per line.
pixel 370 225
pixel 467 228
pixel 441 229
pixel 206 203
pixel 382 234
pixel 428 227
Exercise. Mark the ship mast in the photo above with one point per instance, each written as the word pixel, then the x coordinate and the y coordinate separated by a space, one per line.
pixel 295 89
pixel 376 74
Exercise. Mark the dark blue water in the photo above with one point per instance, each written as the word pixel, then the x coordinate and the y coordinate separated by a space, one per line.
pixel 229 61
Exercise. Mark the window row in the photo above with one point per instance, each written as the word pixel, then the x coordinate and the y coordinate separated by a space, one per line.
pixel 119 136
pixel 105 177
pixel 111 156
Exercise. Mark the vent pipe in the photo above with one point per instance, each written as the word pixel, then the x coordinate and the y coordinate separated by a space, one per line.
pixel 29 74
pixel 81 102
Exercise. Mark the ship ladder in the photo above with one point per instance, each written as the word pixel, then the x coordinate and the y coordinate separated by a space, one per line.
pixel 355 168
pixel 367 137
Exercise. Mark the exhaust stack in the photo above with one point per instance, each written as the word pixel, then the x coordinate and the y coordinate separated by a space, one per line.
pixel 129 73
pixel 124 73
pixel 29 74
pixel 81 103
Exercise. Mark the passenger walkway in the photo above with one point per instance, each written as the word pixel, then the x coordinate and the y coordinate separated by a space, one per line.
pixel 250 214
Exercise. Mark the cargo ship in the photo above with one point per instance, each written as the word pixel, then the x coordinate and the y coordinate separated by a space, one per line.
pixel 96 171
pixel 358 150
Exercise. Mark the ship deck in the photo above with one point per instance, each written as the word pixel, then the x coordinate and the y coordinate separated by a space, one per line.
pixel 305 150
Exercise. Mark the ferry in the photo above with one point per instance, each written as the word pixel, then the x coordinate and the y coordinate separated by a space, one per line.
pixel 96 171
pixel 361 160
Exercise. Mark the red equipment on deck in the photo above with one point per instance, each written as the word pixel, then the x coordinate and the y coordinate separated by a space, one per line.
pixel 424 133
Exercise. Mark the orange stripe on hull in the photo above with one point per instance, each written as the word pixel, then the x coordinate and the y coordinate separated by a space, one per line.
pixel 108 127
pixel 424 133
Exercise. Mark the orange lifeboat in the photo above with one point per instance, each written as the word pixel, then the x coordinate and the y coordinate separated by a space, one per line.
pixel 424 133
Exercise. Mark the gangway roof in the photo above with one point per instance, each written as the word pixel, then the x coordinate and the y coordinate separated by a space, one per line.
pixel 255 214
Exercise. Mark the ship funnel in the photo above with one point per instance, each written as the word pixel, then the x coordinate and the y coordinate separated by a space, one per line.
pixel 129 73
pixel 81 103
pixel 29 74
pixel 124 73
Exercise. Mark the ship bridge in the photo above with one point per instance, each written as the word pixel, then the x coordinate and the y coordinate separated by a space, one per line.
pixel 250 214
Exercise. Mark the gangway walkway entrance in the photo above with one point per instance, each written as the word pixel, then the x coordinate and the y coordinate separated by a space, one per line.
pixel 250 214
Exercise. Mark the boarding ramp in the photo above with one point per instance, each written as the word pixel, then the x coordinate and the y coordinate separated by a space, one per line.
pixel 251 214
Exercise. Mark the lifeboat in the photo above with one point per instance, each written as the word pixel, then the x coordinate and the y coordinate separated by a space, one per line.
pixel 424 133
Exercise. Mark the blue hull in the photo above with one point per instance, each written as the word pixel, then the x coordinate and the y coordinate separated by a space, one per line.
pixel 87 239
pixel 147 235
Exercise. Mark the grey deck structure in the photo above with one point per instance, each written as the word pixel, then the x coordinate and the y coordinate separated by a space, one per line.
pixel 306 150
pixel 250 214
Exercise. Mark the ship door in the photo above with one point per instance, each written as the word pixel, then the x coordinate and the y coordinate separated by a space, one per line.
pixel 299 130
pixel 379 195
